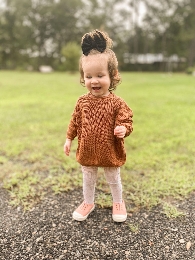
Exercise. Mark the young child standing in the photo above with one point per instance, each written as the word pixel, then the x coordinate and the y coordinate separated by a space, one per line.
pixel 100 120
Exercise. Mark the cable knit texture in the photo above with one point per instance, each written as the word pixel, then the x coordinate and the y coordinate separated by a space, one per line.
pixel 93 122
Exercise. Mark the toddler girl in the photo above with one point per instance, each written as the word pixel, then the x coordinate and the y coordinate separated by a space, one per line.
pixel 100 120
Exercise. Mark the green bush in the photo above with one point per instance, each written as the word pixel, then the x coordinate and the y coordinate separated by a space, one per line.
pixel 71 52
pixel 190 70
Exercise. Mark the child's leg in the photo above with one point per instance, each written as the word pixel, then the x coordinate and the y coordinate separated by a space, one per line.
pixel 89 182
pixel 119 213
pixel 113 178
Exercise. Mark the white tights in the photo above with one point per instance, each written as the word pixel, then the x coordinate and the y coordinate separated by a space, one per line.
pixel 113 178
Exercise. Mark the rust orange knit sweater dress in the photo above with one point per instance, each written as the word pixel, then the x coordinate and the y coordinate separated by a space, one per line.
pixel 93 122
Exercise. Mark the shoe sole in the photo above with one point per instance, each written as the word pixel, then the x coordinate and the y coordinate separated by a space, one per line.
pixel 79 217
pixel 119 218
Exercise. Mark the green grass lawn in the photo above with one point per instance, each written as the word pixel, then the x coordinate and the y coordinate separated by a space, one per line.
pixel 34 113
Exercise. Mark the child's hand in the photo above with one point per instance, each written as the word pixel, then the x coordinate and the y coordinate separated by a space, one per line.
pixel 67 146
pixel 120 131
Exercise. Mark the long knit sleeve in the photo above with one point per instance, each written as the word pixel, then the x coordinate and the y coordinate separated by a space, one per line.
pixel 124 117
pixel 73 125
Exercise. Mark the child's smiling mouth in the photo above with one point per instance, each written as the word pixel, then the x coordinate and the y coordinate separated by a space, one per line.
pixel 96 88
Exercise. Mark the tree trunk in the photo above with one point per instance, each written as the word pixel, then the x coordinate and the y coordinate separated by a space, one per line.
pixel 191 57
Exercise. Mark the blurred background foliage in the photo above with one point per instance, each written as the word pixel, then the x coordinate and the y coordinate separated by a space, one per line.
pixel 45 32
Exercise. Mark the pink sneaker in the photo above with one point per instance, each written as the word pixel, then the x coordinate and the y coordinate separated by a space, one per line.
pixel 119 213
pixel 82 212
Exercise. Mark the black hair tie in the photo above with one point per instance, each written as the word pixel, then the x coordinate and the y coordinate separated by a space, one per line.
pixel 96 42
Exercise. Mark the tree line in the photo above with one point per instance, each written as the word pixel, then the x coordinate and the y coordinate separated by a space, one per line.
pixel 48 32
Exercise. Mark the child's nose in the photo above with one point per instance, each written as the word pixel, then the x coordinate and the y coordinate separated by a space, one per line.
pixel 94 81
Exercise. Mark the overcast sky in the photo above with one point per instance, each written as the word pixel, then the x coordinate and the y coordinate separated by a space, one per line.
pixel 141 6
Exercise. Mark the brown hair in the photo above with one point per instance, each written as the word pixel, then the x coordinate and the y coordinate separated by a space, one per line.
pixel 95 40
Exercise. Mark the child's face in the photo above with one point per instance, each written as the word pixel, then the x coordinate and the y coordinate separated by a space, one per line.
pixel 96 75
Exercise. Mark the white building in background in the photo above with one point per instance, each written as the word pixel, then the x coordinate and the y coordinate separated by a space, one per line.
pixel 150 58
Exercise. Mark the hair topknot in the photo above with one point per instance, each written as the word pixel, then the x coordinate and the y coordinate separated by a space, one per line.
pixel 95 40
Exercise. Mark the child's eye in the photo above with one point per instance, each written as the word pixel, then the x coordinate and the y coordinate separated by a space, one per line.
pixel 100 76
pixel 88 77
